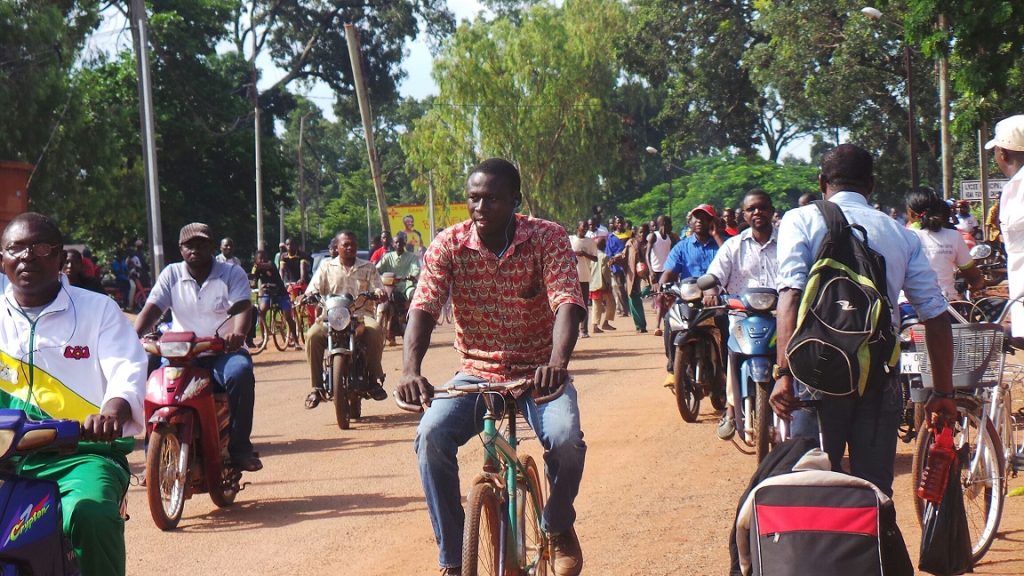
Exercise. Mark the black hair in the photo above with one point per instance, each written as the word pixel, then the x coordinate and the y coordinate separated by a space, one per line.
pixel 759 192
pixel 504 172
pixel 848 166
pixel 347 233
pixel 50 227
pixel 933 210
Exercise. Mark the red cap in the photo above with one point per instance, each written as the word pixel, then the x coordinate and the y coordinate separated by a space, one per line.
pixel 707 208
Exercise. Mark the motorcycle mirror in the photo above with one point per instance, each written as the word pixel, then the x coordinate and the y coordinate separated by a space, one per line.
pixel 707 281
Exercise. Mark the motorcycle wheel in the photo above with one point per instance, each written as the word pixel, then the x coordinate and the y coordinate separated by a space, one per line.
pixel 762 423
pixel 166 476
pixel 687 395
pixel 223 493
pixel 339 381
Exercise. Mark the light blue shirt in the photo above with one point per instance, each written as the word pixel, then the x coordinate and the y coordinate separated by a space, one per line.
pixel 803 230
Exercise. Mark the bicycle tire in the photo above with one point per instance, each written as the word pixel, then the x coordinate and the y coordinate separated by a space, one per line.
pixel 533 553
pixel 279 329
pixel 983 497
pixel 481 541
pixel 262 336
pixel 300 314
pixel 687 395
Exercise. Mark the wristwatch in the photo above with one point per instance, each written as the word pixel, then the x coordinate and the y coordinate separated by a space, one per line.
pixel 779 371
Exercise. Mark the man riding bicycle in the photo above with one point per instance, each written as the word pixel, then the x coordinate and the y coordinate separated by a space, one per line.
pixel 517 305
pixel 272 289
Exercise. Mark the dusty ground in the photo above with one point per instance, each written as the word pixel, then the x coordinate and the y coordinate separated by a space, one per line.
pixel 657 497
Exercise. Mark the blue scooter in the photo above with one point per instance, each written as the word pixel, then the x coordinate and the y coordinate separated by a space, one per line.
pixel 31 536
pixel 751 348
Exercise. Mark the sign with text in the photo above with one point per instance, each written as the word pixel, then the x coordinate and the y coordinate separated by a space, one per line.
pixel 971 189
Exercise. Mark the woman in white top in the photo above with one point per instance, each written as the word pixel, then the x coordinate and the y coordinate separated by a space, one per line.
pixel 943 246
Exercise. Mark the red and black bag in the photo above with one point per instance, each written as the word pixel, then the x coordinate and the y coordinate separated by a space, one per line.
pixel 815 521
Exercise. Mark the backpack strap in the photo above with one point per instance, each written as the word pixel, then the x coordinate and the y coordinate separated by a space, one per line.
pixel 834 218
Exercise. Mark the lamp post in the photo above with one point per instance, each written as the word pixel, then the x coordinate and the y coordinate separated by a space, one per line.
pixel 876 15
pixel 668 166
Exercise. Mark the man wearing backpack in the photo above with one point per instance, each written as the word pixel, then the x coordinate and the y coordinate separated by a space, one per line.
pixel 867 418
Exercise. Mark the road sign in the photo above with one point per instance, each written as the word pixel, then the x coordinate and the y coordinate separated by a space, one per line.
pixel 971 189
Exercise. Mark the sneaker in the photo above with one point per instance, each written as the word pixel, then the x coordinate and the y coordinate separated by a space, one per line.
pixel 726 427
pixel 451 571
pixel 670 381
pixel 584 335
pixel 566 556
pixel 378 393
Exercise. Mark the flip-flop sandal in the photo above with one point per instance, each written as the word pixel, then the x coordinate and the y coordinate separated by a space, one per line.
pixel 313 400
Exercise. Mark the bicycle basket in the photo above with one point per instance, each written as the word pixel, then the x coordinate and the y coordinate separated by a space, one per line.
pixel 977 356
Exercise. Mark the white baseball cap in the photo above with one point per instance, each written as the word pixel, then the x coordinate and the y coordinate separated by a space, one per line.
pixel 1009 134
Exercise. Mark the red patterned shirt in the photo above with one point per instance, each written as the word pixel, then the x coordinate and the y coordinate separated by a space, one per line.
pixel 504 308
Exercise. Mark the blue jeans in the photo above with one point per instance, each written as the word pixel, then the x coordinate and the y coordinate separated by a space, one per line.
pixel 869 425
pixel 233 374
pixel 450 423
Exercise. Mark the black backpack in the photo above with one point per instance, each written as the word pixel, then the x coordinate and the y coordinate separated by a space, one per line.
pixel 844 336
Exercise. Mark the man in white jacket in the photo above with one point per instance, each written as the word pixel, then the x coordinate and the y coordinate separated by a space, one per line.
pixel 66 352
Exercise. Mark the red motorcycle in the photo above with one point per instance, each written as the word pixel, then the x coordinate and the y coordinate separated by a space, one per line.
pixel 188 430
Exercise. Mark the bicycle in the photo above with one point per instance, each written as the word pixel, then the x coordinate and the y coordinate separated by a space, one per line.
pixel 304 313
pixel 270 325
pixel 502 534
pixel 978 357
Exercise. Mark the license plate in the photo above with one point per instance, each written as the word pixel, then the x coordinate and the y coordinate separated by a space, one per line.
pixel 910 362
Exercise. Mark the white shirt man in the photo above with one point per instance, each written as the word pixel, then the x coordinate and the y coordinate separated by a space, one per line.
pixel 1009 155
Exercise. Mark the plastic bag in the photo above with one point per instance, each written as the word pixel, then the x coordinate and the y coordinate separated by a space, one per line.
pixel 945 537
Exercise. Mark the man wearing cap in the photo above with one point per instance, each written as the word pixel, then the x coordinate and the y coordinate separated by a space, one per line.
pixel 1008 149
pixel 211 298
pixel 690 258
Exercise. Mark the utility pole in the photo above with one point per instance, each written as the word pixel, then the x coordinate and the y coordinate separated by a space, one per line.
pixel 137 15
pixel 983 165
pixel 302 181
pixel 352 37
pixel 254 95
pixel 947 142
pixel 430 204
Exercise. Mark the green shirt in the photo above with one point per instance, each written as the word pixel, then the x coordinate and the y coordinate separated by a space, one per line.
pixel 401 265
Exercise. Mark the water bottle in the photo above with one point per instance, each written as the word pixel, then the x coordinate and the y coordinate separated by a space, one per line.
pixel 941 456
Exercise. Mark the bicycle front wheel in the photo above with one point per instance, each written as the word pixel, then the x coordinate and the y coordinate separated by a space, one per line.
pixel 981 476
pixel 533 550
pixel 481 541
pixel 262 336
pixel 279 328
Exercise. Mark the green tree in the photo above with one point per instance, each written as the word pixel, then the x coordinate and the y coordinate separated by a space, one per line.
pixel 721 181
pixel 538 93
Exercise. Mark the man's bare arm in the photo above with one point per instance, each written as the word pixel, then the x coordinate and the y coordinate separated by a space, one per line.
pixel 413 388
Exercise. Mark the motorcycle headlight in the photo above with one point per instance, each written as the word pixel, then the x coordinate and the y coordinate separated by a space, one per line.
pixel 762 301
pixel 175 349
pixel 690 292
pixel 338 316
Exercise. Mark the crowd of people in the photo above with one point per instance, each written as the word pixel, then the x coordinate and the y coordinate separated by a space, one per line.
pixel 539 283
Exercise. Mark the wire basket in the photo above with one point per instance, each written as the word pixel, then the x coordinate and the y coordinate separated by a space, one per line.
pixel 977 356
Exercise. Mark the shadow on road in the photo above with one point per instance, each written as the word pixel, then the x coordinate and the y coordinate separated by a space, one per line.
pixel 278 512
pixel 320 445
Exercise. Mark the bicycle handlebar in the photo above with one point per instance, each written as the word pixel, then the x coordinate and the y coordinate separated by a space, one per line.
pixel 458 390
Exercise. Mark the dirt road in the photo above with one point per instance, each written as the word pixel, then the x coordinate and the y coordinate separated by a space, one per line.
pixel 657 497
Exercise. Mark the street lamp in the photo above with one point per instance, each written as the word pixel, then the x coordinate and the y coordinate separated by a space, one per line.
pixel 668 166
pixel 876 15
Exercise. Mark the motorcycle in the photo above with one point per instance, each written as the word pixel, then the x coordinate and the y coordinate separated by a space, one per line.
pixel 33 539
pixel 188 427
pixel 346 375
pixel 394 311
pixel 751 346
pixel 698 366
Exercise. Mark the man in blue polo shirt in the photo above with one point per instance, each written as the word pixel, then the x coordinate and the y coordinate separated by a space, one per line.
pixel 690 258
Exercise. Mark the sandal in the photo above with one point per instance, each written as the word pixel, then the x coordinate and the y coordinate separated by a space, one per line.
pixel 313 400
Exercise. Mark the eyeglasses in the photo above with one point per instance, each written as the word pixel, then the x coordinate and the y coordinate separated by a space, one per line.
pixel 38 250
